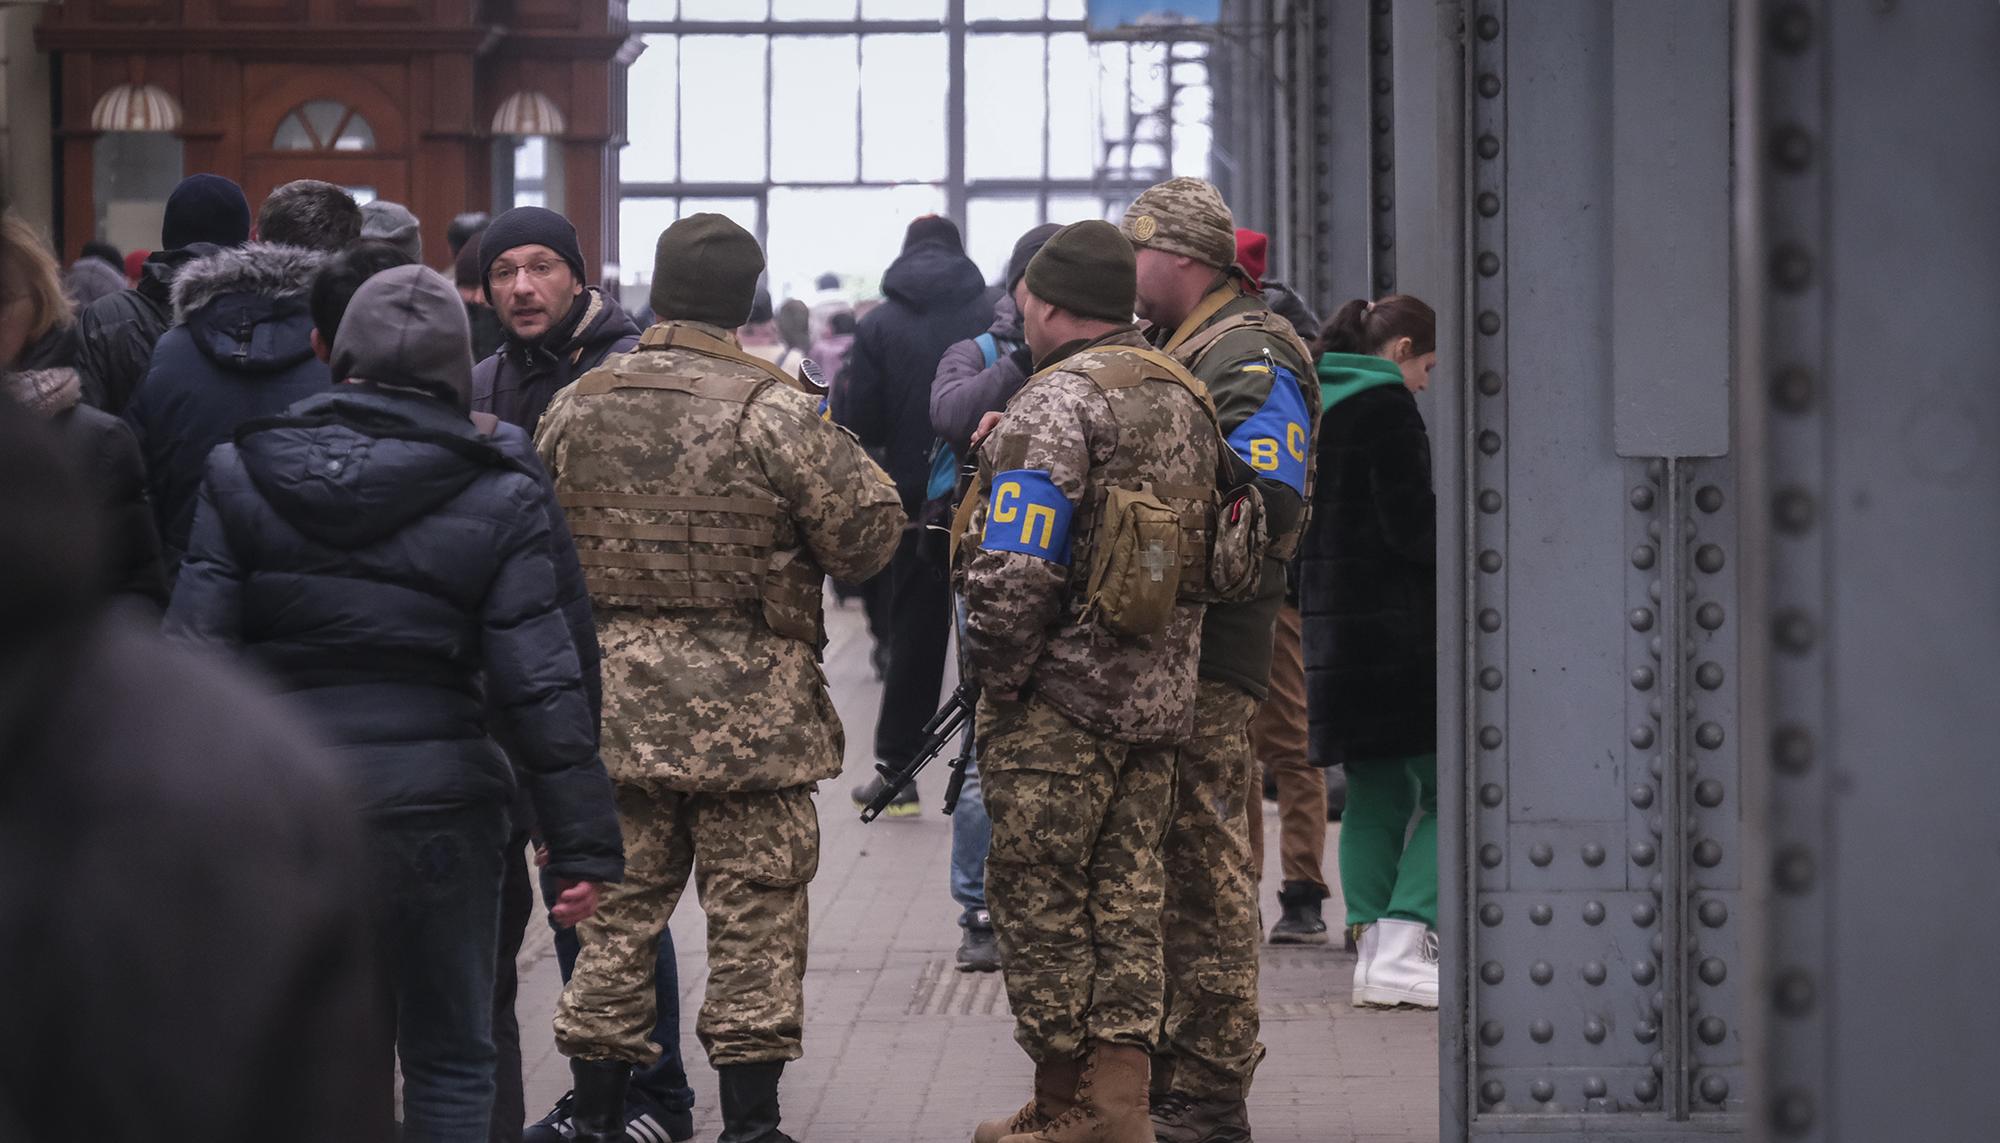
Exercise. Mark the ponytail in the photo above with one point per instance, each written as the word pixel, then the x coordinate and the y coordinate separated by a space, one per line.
pixel 1366 327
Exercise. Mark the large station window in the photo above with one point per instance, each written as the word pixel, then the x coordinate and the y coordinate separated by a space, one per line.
pixel 825 126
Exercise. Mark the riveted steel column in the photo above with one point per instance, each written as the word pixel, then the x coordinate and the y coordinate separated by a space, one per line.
pixel 1780 238
pixel 1381 79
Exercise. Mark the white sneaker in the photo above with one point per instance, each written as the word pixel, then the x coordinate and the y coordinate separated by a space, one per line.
pixel 1403 967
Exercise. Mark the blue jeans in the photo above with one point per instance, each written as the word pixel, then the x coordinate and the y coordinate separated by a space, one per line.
pixel 435 888
pixel 665 1080
pixel 971 833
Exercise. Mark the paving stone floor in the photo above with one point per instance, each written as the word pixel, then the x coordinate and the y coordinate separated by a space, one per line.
pixel 899 1047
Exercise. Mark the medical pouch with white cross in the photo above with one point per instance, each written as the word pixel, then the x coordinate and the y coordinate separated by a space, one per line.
pixel 1135 563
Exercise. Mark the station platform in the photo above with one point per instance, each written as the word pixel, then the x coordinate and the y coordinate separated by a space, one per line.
pixel 902 1048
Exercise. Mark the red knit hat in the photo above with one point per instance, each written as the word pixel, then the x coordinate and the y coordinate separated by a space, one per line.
pixel 1251 254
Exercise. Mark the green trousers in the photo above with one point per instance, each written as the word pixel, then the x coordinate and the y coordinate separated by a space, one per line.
pixel 1380 875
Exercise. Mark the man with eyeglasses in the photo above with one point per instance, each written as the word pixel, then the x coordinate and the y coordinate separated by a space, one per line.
pixel 556 330
pixel 558 327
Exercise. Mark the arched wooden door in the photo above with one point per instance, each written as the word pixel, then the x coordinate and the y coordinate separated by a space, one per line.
pixel 342 125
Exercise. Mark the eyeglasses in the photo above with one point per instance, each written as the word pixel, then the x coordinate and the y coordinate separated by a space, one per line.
pixel 503 274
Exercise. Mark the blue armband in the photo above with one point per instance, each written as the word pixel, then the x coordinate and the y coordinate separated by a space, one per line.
pixel 1027 513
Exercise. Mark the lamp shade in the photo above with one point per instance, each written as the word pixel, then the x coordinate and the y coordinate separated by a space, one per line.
pixel 528 113
pixel 136 107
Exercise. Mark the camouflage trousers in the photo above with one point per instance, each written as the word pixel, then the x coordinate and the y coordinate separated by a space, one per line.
pixel 1208 1041
pixel 1073 876
pixel 751 855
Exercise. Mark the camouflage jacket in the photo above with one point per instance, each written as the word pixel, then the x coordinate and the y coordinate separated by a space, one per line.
pixel 1267 401
pixel 709 697
pixel 1062 445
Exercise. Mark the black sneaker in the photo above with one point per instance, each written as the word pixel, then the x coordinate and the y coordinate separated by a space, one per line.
pixel 650 1122
pixel 978 950
pixel 555 1127
pixel 905 803
pixel 645 1122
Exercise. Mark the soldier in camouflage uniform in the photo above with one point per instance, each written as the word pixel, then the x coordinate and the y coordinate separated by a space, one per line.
pixel 1267 401
pixel 708 500
pixel 1078 726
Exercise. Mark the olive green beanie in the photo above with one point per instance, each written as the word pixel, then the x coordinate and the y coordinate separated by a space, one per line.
pixel 705 268
pixel 1088 269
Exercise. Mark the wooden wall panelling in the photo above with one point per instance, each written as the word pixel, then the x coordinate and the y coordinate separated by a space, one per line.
pixel 262 11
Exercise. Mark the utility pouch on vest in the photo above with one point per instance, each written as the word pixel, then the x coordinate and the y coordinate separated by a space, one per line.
pixel 792 598
pixel 1238 544
pixel 1135 564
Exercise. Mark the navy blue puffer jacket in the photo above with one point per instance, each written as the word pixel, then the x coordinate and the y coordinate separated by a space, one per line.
pixel 241 348
pixel 383 560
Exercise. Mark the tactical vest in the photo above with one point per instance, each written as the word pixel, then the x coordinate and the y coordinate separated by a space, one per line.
pixel 1191 343
pixel 1120 373
pixel 708 543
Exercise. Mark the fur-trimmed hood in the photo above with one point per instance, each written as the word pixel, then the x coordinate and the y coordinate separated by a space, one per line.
pixel 246 308
pixel 261 268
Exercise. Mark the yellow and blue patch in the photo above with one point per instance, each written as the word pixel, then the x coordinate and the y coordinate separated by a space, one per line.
pixel 1027 513
pixel 1274 440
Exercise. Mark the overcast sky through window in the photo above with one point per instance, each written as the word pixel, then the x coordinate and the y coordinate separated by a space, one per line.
pixel 872 109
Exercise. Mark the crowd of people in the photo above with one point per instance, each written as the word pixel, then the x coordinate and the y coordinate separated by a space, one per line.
pixel 351 600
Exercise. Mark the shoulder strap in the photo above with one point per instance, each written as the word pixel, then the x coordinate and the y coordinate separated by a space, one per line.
pixel 1195 348
pixel 989 348
pixel 1208 308
pixel 675 335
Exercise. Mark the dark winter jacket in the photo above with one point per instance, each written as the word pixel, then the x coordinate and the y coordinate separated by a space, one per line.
pixel 933 296
pixel 966 388
pixel 378 556
pixel 241 348
pixel 207 872
pixel 107 458
pixel 116 335
pixel 515 384
pixel 1368 571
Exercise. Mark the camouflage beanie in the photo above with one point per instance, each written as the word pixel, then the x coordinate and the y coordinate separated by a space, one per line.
pixel 1184 216
pixel 1087 269
pixel 705 268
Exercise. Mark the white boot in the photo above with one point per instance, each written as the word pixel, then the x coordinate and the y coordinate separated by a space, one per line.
pixel 1403 968
pixel 1364 955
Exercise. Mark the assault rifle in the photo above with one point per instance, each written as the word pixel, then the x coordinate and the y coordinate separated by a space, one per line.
pixel 954 717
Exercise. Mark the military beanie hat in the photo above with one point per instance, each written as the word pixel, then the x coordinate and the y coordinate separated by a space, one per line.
pixel 1088 269
pixel 1183 216
pixel 705 269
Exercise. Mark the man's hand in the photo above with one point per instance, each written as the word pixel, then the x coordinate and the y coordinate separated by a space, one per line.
pixel 987 424
pixel 577 901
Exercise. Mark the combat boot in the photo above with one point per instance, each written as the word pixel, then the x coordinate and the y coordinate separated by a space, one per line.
pixel 1055 1094
pixel 597 1107
pixel 1401 960
pixel 1110 1101
pixel 750 1102
pixel 1181 1118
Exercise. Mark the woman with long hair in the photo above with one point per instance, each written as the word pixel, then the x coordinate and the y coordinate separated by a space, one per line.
pixel 37 370
pixel 1367 594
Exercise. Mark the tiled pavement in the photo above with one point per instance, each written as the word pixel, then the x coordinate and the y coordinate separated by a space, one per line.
pixel 899 1047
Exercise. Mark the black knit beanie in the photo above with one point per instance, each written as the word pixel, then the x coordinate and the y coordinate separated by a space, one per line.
pixel 1025 249
pixel 1088 269
pixel 705 269
pixel 528 226
pixel 205 208
pixel 933 228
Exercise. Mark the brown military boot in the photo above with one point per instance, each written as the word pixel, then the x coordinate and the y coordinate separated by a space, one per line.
pixel 1055 1094
pixel 1110 1101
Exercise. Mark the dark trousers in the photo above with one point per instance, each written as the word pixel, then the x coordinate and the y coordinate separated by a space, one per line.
pixel 920 630
pixel 435 884
pixel 665 1080
pixel 517 904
